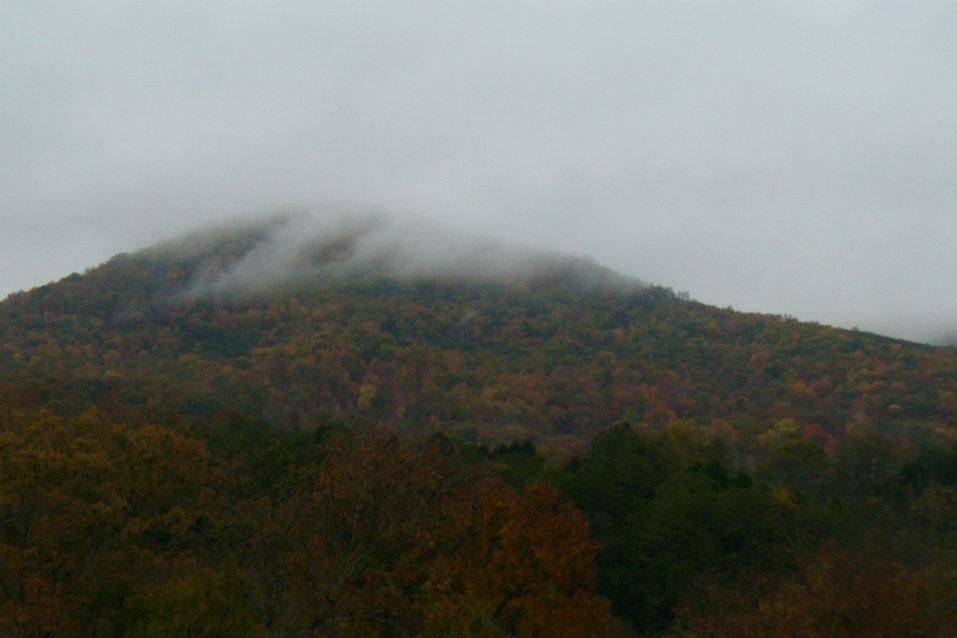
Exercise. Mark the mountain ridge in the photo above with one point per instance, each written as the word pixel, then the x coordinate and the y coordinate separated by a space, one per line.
pixel 550 348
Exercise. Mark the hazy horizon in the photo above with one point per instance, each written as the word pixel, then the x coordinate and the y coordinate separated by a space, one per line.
pixel 770 157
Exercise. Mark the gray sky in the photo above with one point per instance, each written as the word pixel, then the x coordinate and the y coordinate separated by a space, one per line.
pixel 783 157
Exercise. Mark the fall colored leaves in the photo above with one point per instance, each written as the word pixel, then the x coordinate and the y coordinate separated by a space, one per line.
pixel 141 530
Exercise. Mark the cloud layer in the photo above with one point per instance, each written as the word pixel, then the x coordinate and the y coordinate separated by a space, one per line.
pixel 336 245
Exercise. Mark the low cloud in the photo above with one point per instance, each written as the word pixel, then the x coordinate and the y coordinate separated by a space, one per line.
pixel 791 158
pixel 344 245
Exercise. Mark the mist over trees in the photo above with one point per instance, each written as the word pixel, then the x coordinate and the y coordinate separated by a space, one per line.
pixel 343 246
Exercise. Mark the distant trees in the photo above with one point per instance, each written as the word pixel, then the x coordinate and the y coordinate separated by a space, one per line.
pixel 552 363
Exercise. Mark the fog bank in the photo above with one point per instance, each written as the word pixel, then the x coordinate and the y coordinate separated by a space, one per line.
pixel 794 158
pixel 333 245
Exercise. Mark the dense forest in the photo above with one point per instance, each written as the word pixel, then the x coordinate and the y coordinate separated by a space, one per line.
pixel 553 357
pixel 551 451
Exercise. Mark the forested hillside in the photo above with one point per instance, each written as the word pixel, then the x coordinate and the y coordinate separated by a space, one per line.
pixel 552 350
pixel 267 433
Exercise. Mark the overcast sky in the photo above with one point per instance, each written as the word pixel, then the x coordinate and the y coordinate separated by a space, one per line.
pixel 795 158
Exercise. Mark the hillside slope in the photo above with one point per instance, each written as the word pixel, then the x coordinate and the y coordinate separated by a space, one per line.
pixel 310 325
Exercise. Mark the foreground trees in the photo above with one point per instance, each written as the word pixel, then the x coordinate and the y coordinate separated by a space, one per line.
pixel 671 516
pixel 395 537
pixel 814 541
pixel 108 529
pixel 836 592
pixel 230 527
pixel 92 511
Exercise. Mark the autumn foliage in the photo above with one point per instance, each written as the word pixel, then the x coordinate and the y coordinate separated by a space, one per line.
pixel 552 456
pixel 138 530
pixel 550 359
pixel 837 592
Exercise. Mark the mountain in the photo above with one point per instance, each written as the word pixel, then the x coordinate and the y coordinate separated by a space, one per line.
pixel 308 321
pixel 361 426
